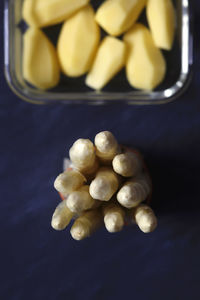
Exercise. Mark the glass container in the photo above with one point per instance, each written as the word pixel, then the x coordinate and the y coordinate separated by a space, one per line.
pixel 179 66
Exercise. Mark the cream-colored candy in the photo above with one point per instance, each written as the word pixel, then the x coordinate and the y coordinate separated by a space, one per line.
pixel 127 164
pixel 68 182
pixel 104 185
pixel 86 224
pixel 113 217
pixel 61 217
pixel 145 218
pixel 82 155
pixel 106 146
pixel 80 200
pixel 134 192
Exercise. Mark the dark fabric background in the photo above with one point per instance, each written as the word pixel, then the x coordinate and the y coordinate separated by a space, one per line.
pixel 38 263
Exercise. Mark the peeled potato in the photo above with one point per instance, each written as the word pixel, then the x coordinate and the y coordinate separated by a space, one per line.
pixel 28 12
pixel 109 60
pixel 42 13
pixel 146 67
pixel 78 42
pixel 116 16
pixel 40 63
pixel 161 19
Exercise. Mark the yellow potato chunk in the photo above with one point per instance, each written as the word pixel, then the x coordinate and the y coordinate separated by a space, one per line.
pixel 40 63
pixel 146 67
pixel 78 42
pixel 161 19
pixel 42 13
pixel 109 60
pixel 117 16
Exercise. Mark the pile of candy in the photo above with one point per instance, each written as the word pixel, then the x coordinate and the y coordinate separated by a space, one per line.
pixel 105 183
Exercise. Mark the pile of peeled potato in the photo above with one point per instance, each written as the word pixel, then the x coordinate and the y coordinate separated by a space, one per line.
pixel 80 49
pixel 105 183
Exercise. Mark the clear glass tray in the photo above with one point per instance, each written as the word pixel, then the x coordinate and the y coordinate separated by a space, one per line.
pixel 179 66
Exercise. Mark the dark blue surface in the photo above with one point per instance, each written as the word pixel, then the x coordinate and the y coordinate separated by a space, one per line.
pixel 39 263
